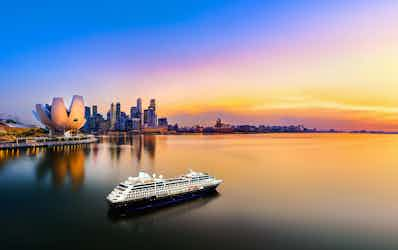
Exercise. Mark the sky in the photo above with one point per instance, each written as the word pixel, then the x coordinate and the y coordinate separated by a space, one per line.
pixel 324 64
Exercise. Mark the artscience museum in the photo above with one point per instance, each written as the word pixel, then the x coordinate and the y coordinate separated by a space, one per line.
pixel 58 119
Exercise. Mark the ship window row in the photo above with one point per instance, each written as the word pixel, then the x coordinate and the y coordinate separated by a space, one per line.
pixel 147 189
pixel 158 184
pixel 176 183
pixel 144 192
pixel 140 191
pixel 144 185
pixel 200 178
pixel 162 185
pixel 167 182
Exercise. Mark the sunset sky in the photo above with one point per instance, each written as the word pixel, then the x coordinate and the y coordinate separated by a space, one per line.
pixel 324 64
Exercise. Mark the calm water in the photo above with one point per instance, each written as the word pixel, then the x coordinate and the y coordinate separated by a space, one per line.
pixel 281 191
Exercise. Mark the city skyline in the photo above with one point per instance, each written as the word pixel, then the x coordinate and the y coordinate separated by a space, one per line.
pixel 318 63
pixel 136 119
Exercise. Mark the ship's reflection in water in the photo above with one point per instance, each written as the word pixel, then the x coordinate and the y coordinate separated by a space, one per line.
pixel 158 214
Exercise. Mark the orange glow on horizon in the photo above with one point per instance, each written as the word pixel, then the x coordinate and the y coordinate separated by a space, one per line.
pixel 341 77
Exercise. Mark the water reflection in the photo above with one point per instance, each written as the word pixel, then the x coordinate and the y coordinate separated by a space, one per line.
pixel 137 143
pixel 137 148
pixel 62 165
pixel 8 155
pixel 150 145
pixel 333 191
pixel 152 216
pixel 66 164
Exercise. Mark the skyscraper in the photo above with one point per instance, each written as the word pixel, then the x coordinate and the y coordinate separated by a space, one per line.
pixel 139 115
pixel 153 118
pixel 150 118
pixel 139 105
pixel 94 119
pixel 118 111
pixel 152 104
pixel 87 112
pixel 136 120
pixel 121 123
pixel 162 122
pixel 87 116
pixel 136 123
pixel 112 117
pixel 95 110
pixel 146 117
pixel 118 117
pixel 134 113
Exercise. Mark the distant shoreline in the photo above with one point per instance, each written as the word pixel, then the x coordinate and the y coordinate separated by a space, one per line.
pixel 247 133
pixel 46 141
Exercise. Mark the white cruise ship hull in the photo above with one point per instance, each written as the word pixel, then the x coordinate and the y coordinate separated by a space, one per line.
pixel 161 200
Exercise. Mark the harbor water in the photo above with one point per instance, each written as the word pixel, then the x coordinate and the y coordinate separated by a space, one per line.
pixel 280 191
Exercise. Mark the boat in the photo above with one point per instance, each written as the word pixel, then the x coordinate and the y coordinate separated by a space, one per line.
pixel 145 191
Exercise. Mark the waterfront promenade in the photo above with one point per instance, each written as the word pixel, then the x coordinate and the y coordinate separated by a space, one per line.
pixel 48 142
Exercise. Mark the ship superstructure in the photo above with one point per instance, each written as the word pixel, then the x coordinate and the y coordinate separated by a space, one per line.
pixel 145 189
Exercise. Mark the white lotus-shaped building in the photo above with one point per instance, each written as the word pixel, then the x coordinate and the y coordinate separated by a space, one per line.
pixel 57 118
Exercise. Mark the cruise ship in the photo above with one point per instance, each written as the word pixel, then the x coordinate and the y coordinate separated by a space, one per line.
pixel 145 191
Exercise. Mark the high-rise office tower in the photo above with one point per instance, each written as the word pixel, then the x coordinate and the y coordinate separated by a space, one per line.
pixel 87 116
pixel 146 117
pixel 112 116
pixel 118 117
pixel 134 112
pixel 139 105
pixel 150 119
pixel 136 123
pixel 140 113
pixel 121 123
pixel 154 119
pixel 87 112
pixel 118 112
pixel 95 110
pixel 162 122
pixel 152 104
pixel 94 119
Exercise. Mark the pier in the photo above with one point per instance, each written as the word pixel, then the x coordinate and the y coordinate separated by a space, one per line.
pixel 33 142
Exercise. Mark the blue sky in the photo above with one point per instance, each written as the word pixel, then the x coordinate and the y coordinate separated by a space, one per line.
pixel 192 54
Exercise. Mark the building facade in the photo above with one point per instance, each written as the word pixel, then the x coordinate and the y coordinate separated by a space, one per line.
pixel 58 119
